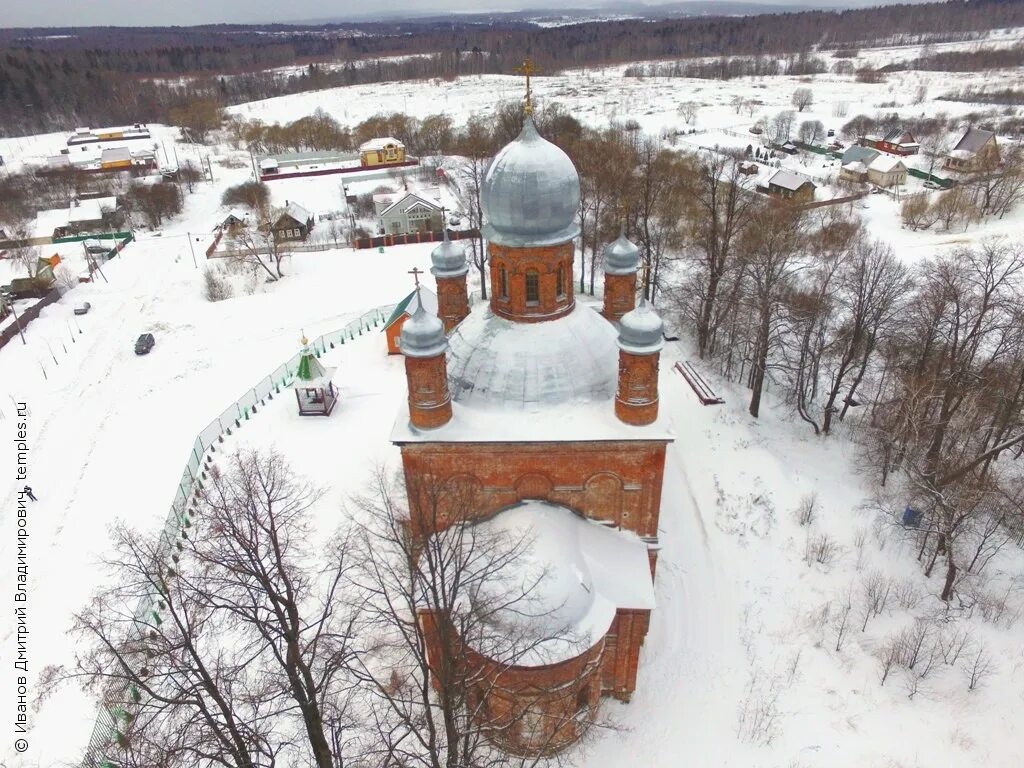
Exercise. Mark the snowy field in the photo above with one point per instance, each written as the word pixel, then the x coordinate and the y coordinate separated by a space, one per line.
pixel 740 668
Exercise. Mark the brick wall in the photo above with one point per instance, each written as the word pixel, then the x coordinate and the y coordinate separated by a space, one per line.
pixel 430 404
pixel 517 264
pixel 452 301
pixel 616 481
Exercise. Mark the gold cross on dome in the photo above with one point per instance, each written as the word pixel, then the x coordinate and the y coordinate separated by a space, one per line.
pixel 528 68
pixel 416 272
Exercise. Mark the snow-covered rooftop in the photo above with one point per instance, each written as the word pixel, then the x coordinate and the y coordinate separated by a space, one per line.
pixel 575 572
pixel 374 144
pixel 788 180
pixel 885 163
pixel 495 361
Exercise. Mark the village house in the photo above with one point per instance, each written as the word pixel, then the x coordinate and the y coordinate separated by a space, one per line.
pixel 790 186
pixel 895 141
pixel 886 171
pixel 293 223
pixel 976 148
pixel 385 151
pixel 405 213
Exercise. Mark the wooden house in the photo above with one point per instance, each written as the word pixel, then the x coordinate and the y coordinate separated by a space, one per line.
pixel 791 187
pixel 402 312
pixel 293 224
pixel 385 151
pixel 896 141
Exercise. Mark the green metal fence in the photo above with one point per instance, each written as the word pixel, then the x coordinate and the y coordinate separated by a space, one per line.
pixel 108 733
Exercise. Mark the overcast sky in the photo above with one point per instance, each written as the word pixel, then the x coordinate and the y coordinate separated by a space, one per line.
pixel 52 13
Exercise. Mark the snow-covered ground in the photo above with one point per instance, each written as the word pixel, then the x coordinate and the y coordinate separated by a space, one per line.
pixel 740 668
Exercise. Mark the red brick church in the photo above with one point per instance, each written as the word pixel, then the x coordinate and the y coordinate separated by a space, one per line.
pixel 547 411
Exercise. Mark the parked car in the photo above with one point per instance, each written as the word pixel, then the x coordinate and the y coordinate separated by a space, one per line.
pixel 931 185
pixel 83 308
pixel 144 344
pixel 831 132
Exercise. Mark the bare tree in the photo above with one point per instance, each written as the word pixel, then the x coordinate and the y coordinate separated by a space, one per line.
pixel 803 98
pixel 188 692
pixel 428 609
pixel 771 247
pixel 259 569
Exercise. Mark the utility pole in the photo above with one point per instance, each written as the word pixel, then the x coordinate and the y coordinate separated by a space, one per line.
pixel 191 248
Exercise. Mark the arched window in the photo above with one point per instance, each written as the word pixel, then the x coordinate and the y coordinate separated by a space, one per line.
pixel 532 287
pixel 503 282
pixel 560 281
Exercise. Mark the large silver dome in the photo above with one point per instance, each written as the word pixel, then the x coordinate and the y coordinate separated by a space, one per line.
pixel 531 193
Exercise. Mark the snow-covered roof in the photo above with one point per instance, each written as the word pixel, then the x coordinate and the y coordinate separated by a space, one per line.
pixel 115 155
pixel 495 361
pixel 407 201
pixel 972 141
pixel 576 574
pixel 886 164
pixel 297 212
pixel 855 167
pixel 532 382
pixel 268 164
pixel 49 220
pixel 85 210
pixel 857 153
pixel 375 144
pixel 788 180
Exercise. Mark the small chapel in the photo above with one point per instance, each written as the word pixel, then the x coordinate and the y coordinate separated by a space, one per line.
pixel 546 410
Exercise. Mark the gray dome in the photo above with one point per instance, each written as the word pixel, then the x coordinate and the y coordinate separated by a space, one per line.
pixel 640 330
pixel 448 259
pixel 422 335
pixel 530 193
pixel 621 257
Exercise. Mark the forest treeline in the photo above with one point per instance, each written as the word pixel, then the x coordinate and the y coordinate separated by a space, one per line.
pixel 52 82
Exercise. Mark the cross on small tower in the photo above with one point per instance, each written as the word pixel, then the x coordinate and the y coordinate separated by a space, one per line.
pixel 528 68
pixel 416 272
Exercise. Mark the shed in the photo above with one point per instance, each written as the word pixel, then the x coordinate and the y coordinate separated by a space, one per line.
pixel 402 312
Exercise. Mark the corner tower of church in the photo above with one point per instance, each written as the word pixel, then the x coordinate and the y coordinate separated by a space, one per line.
pixel 530 199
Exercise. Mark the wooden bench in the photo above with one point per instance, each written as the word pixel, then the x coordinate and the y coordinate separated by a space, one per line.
pixel 700 387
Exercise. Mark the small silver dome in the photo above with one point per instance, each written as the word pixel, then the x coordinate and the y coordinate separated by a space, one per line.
pixel 530 193
pixel 640 330
pixel 621 257
pixel 448 259
pixel 422 335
